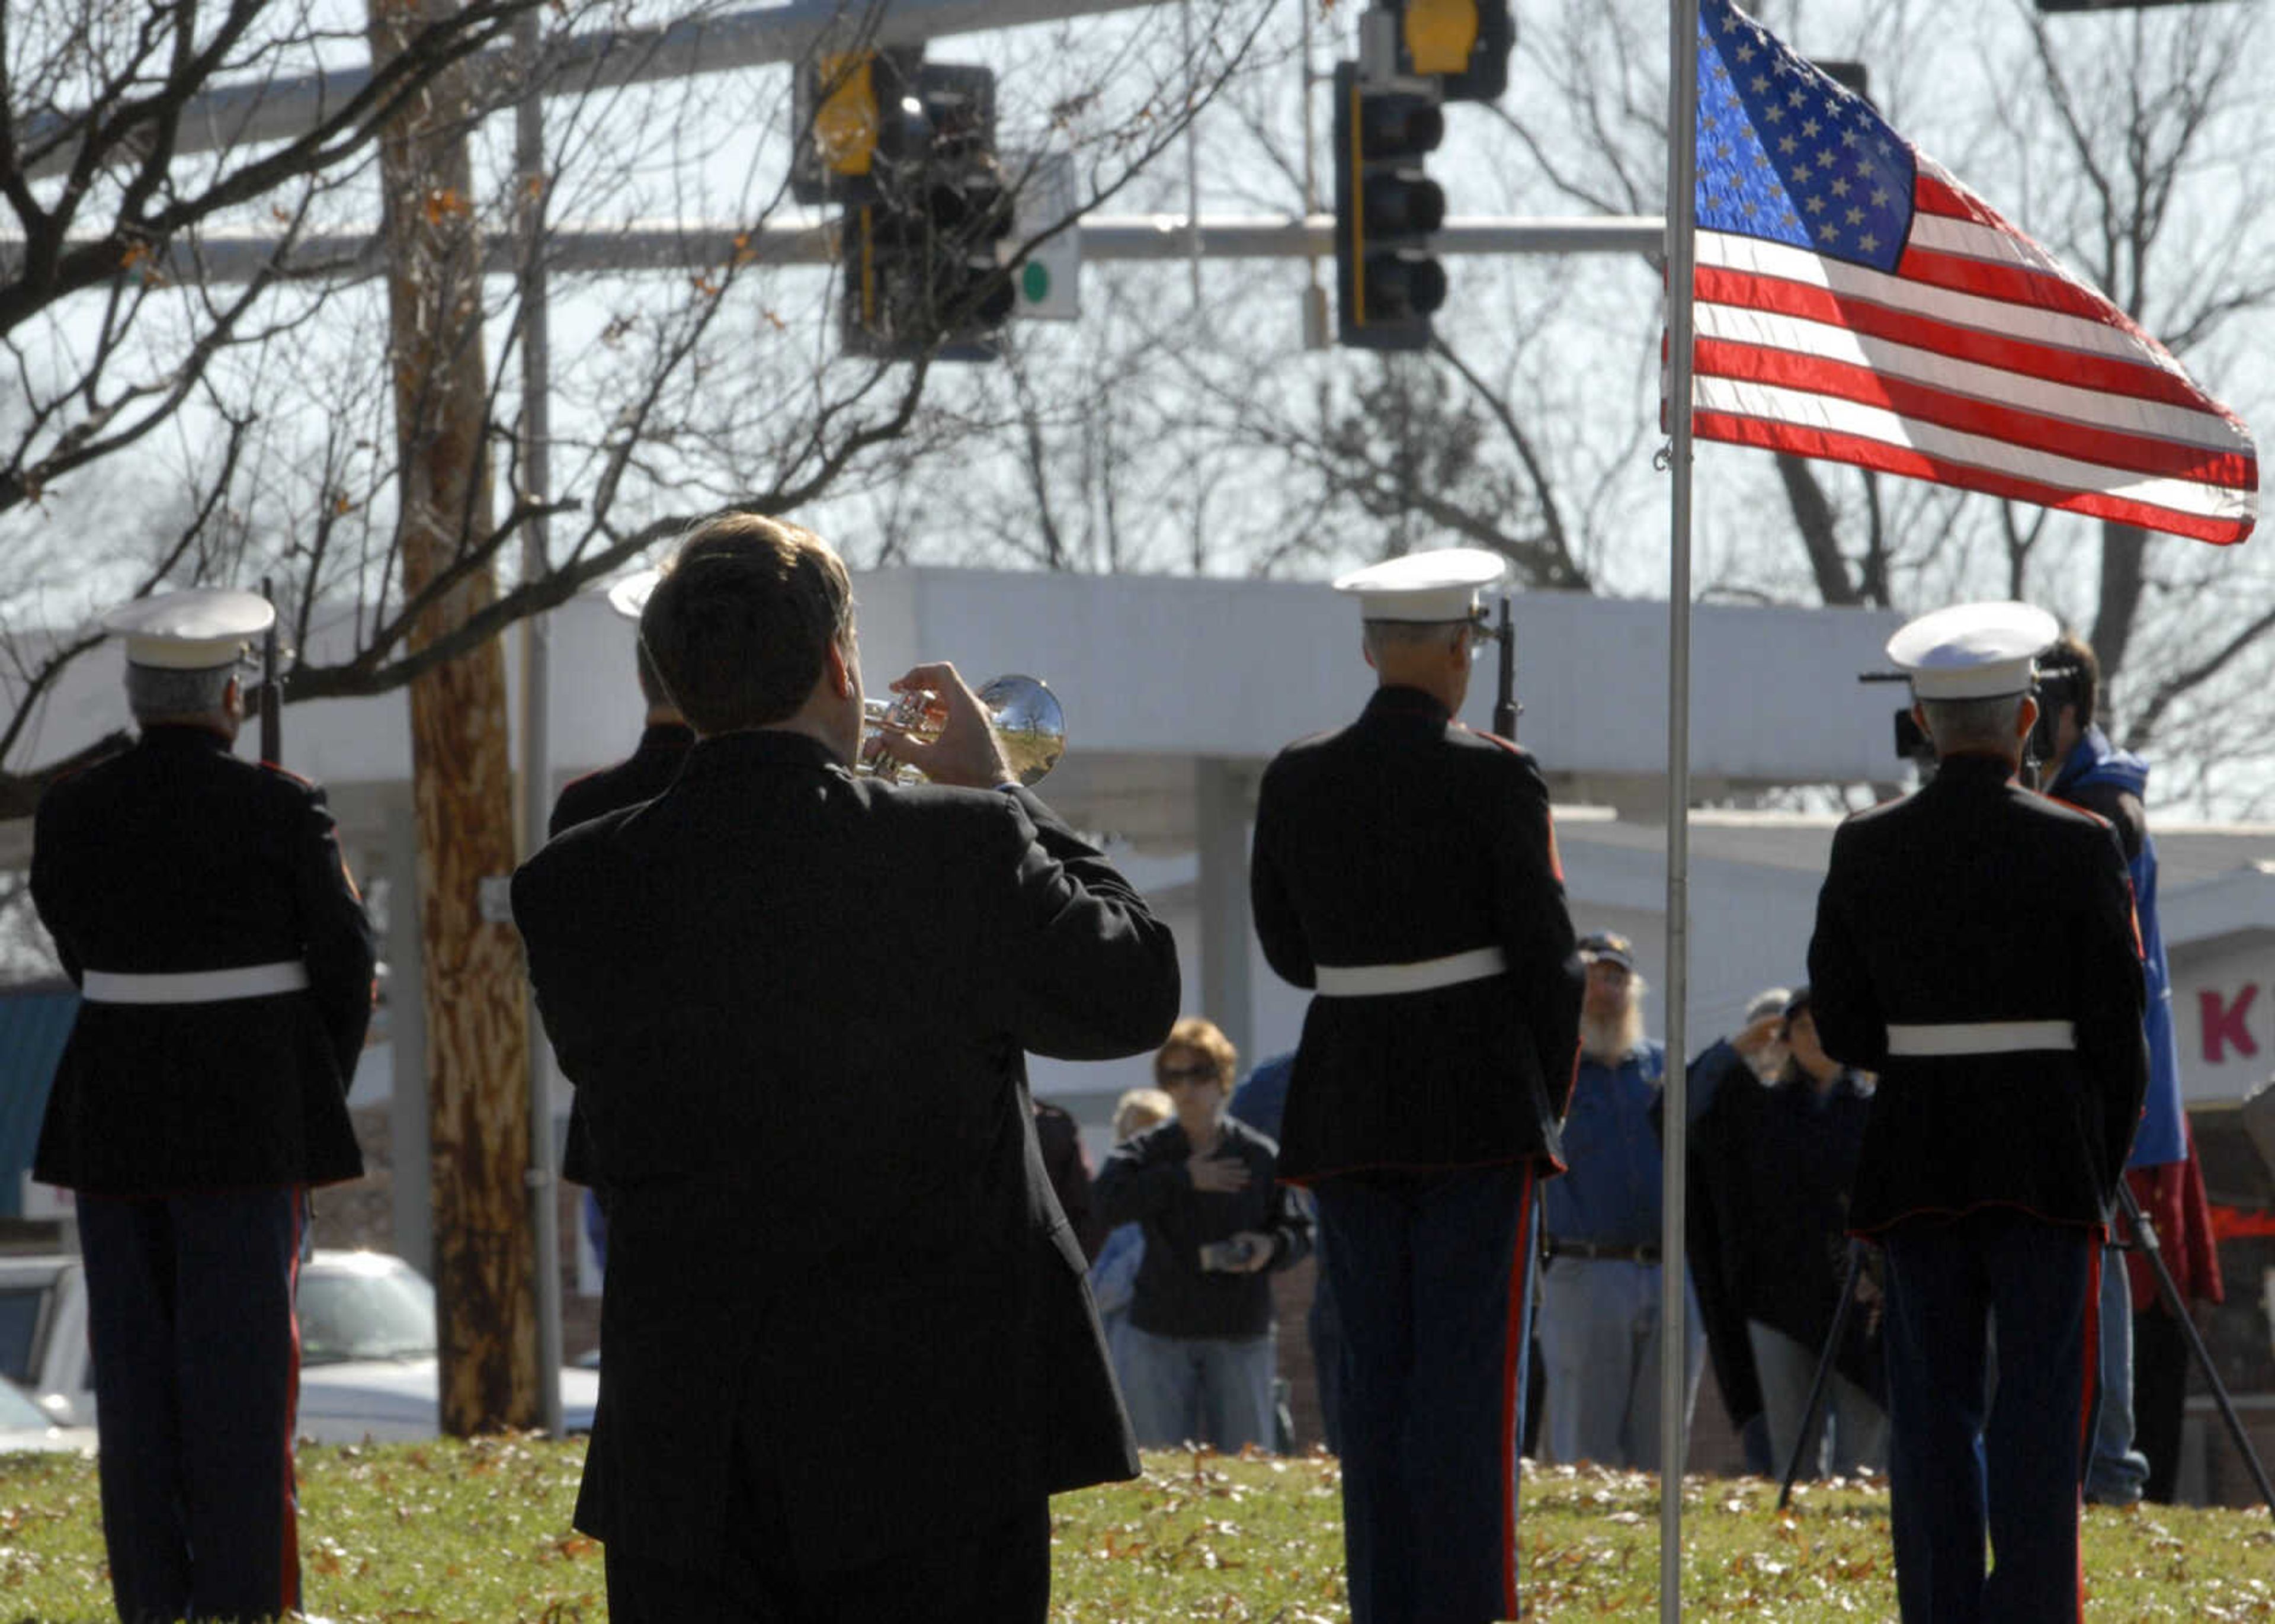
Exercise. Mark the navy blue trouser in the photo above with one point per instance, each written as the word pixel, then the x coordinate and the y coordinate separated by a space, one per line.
pixel 197 1372
pixel 1960 1467
pixel 1429 1272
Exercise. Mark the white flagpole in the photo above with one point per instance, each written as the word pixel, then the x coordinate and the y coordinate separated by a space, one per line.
pixel 1681 208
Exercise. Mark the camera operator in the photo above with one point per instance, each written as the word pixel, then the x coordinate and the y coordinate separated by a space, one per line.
pixel 2082 767
pixel 1975 948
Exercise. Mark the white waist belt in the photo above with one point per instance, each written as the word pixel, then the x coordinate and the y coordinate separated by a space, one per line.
pixel 1424 975
pixel 195 987
pixel 1982 1037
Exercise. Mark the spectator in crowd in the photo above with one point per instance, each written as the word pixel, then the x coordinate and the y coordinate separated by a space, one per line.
pixel 1778 1162
pixel 2085 768
pixel 1068 1166
pixel 1113 1270
pixel 1199 1362
pixel 2171 1197
pixel 1601 1330
pixel 1260 1102
pixel 1755 1054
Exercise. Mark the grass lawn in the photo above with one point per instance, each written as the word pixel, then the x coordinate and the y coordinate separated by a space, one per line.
pixel 479 1532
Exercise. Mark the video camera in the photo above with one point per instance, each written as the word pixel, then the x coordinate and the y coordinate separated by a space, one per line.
pixel 2059 684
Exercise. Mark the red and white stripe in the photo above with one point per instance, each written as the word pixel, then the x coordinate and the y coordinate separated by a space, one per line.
pixel 1980 362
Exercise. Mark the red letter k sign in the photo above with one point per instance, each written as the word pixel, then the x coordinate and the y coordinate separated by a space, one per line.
pixel 2223 1023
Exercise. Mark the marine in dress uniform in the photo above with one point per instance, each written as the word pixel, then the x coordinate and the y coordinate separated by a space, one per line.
pixel 663 741
pixel 1976 948
pixel 646 774
pixel 225 962
pixel 1405 870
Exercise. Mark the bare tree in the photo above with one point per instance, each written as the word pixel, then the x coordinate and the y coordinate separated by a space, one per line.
pixel 198 334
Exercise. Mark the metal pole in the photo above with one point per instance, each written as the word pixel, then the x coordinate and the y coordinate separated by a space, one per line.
pixel 536 697
pixel 1681 210
pixel 2144 1236
pixel 261 110
pixel 1192 154
pixel 1825 1359
pixel 223 257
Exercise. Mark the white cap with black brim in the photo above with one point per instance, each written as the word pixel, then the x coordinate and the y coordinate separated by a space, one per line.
pixel 1974 651
pixel 1425 587
pixel 193 631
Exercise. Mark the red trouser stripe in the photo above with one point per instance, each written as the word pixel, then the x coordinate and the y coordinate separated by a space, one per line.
pixel 289 1568
pixel 2085 1406
pixel 1512 1392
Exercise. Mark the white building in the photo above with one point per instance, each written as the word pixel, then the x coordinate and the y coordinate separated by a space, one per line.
pixel 1178 691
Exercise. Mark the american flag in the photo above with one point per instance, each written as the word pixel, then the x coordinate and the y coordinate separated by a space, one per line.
pixel 1856 302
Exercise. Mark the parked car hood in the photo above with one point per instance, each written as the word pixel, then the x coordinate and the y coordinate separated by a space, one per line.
pixel 400 1398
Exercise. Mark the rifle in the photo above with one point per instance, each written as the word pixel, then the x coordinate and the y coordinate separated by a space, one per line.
pixel 272 693
pixel 1505 709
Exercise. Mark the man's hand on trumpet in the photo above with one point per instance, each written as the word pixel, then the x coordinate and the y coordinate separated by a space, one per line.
pixel 965 749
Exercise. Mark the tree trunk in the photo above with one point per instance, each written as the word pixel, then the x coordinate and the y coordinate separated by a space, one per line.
pixel 2124 554
pixel 477 1024
pixel 1812 515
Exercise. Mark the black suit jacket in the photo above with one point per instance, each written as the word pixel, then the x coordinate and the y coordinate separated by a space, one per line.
pixel 794 1004
pixel 177 855
pixel 1406 837
pixel 1977 899
pixel 641 776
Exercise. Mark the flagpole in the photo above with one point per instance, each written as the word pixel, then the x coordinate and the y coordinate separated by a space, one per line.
pixel 1681 210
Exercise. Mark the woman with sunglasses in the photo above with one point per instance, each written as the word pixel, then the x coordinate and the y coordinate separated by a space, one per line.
pixel 1197 1349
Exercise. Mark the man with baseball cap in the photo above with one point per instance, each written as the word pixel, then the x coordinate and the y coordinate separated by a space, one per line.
pixel 225 963
pixel 1600 1326
pixel 1405 871
pixel 1976 948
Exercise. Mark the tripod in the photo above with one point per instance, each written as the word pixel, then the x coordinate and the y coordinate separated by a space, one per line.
pixel 2144 1241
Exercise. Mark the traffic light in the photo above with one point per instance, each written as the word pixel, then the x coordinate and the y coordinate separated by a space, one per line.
pixel 921 253
pixel 1387 284
pixel 846 109
pixel 1463 44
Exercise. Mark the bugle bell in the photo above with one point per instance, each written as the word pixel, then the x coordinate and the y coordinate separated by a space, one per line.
pixel 1028 721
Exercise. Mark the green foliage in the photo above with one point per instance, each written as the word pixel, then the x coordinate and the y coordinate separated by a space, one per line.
pixel 478 1532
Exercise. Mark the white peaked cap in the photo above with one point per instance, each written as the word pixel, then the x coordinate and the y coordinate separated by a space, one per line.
pixel 629 597
pixel 193 631
pixel 1424 586
pixel 1974 651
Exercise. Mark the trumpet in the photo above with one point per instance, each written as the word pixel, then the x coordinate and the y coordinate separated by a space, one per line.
pixel 1028 721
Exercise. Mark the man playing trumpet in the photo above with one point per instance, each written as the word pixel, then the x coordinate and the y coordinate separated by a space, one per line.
pixel 849 1351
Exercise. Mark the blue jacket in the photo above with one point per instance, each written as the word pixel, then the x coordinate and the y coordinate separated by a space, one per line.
pixel 1609 1191
pixel 2096 765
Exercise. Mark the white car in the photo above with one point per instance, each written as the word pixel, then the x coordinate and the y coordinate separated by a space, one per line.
pixel 369 1362
pixel 23 1425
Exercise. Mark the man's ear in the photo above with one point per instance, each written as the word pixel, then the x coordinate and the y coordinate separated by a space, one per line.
pixel 1367 650
pixel 840 667
pixel 1919 721
pixel 233 697
pixel 2026 717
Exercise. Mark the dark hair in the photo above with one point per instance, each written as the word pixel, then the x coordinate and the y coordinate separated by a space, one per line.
pixel 738 626
pixel 2072 658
